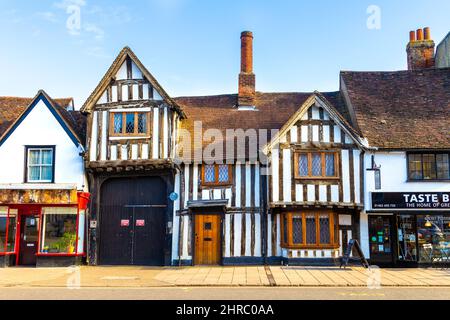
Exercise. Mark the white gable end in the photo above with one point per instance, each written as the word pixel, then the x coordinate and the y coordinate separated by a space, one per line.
pixel 41 128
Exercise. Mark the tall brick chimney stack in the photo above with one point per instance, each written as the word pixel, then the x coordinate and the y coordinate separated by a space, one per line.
pixel 247 80
pixel 420 50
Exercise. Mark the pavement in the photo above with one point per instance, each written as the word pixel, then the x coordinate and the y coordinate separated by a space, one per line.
pixel 252 276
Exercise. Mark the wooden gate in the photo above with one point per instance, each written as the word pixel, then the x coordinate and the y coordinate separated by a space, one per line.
pixel 133 222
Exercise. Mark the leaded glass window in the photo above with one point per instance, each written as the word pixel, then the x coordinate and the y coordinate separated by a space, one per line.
pixel 297 229
pixel 303 165
pixel 209 174
pixel 316 165
pixel 118 123
pixel 324 228
pixel 330 165
pixel 223 173
pixel 142 123
pixel 216 174
pixel 311 229
pixel 129 123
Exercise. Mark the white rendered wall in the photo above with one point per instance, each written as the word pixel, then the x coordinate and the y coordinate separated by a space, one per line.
pixel 39 128
pixel 394 177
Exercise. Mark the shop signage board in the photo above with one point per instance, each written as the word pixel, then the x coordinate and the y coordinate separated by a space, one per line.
pixel 410 200
pixel 346 257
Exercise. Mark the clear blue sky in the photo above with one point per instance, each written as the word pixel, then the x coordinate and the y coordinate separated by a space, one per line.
pixel 192 46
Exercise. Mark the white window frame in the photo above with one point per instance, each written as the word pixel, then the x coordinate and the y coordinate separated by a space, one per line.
pixel 29 149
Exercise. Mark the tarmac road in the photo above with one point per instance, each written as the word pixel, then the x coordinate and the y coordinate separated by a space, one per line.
pixel 217 293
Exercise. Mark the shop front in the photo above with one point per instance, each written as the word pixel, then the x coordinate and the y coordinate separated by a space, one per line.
pixel 409 229
pixel 42 228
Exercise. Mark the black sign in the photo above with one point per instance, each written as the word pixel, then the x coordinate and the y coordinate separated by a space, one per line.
pixel 346 257
pixel 411 200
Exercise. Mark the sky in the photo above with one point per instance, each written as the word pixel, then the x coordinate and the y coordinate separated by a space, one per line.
pixel 192 47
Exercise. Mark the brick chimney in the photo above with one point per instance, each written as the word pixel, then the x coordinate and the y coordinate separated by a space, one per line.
pixel 420 50
pixel 246 96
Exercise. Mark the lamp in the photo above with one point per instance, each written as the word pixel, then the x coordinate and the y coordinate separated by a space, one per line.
pixel 428 224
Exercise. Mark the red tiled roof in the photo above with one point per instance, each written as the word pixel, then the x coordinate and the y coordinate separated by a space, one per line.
pixel 403 109
pixel 273 110
pixel 12 107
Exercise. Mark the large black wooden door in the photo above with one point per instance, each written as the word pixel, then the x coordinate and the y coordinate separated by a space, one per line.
pixel 133 222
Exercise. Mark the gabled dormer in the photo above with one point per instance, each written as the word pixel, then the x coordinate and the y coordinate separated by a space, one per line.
pixel 131 117
pixel 315 158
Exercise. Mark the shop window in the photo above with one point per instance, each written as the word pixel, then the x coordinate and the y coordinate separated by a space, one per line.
pixel 433 236
pixel 316 165
pixel 309 230
pixel 40 164
pixel 7 230
pixel 219 174
pixel 428 166
pixel 59 230
pixel 129 123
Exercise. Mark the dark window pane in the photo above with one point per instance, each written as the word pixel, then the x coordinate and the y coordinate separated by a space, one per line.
pixel 223 173
pixel 297 229
pixel 324 225
pixel 303 165
pixel 117 123
pixel 415 167
pixel 209 174
pixel 310 229
pixel 142 123
pixel 330 165
pixel 129 123
pixel 317 165
pixel 429 166
pixel 442 166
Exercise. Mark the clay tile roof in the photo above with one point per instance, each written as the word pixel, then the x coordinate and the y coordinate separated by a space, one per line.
pixel 12 107
pixel 403 109
pixel 273 111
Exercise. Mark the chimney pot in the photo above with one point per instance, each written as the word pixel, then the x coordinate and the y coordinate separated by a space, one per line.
pixel 427 33
pixel 421 50
pixel 419 34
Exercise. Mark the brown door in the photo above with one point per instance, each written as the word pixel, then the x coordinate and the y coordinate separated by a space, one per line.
pixel 29 234
pixel 207 239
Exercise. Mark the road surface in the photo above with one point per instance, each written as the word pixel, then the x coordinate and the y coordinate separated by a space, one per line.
pixel 216 293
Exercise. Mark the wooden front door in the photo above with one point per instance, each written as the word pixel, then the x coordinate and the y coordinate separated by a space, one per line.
pixel 207 239
pixel 29 238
